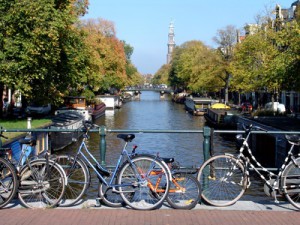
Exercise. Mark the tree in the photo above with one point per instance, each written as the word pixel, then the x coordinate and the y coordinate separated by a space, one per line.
pixel 226 39
pixel 196 67
pixel 252 64
pixel 134 77
pixel 38 47
pixel 108 65
pixel 286 65
pixel 162 75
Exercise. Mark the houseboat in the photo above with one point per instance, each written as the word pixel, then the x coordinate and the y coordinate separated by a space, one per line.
pixel 197 106
pixel 75 104
pixel 111 101
pixel 97 110
pixel 220 115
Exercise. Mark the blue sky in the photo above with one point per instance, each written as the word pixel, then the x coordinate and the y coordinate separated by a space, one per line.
pixel 144 24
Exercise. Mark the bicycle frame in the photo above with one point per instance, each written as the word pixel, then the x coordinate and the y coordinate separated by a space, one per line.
pixel 247 162
pixel 124 154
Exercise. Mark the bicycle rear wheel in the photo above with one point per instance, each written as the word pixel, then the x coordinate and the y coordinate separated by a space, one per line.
pixel 78 179
pixel 42 184
pixel 184 191
pixel 223 180
pixel 290 182
pixel 8 182
pixel 140 181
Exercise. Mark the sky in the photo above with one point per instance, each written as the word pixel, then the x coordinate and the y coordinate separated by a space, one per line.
pixel 144 24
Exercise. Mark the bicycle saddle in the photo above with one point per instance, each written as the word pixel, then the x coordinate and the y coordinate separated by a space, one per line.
pixel 126 137
pixel 28 141
pixel 295 138
pixel 168 160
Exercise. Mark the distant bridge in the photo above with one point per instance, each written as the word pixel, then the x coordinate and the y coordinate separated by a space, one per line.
pixel 165 90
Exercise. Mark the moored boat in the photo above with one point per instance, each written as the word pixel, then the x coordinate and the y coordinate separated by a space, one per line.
pixel 111 101
pixel 75 104
pixel 97 110
pixel 68 120
pixel 197 106
pixel 220 115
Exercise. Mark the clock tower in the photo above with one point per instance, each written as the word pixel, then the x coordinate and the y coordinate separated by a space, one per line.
pixel 171 42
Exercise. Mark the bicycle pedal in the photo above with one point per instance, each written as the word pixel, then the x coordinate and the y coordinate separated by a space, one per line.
pixel 211 178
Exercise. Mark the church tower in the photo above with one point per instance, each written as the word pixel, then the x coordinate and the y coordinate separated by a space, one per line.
pixel 171 42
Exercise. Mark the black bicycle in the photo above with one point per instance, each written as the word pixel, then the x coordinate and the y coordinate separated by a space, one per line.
pixel 224 178
pixel 8 177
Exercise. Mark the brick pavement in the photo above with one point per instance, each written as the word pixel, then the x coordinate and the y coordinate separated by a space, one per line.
pixel 241 213
pixel 155 217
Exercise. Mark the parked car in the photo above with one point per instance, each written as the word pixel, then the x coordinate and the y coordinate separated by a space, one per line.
pixel 18 112
pixel 275 107
pixel 246 107
pixel 34 109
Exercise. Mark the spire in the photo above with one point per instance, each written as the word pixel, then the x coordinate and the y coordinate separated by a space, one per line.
pixel 171 42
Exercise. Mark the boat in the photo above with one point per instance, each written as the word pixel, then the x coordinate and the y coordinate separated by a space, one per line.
pixel 111 101
pixel 220 115
pixel 97 110
pixel 179 98
pixel 75 104
pixel 68 120
pixel 197 106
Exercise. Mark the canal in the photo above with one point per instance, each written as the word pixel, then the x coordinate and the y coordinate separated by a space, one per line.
pixel 153 113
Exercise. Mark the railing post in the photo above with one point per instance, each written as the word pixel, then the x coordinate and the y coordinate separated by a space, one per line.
pixel 206 155
pixel 102 146
pixel 206 142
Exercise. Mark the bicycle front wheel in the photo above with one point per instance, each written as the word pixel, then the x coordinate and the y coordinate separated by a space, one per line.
pixel 223 180
pixel 184 192
pixel 8 182
pixel 109 197
pixel 290 182
pixel 78 179
pixel 42 184
pixel 144 183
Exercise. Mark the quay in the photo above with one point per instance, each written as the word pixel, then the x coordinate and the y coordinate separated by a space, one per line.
pixel 243 213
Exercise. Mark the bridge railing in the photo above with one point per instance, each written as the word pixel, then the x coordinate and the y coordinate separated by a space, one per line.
pixel 208 135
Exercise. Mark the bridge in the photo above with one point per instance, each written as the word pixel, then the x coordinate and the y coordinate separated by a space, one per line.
pixel 165 90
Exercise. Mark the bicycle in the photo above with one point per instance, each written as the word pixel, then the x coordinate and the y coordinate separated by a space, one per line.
pixel 225 177
pixel 184 192
pixel 131 178
pixel 8 177
pixel 40 180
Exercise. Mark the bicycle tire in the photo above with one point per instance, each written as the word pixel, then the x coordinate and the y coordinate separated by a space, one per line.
pixel 108 197
pixel 8 182
pixel 184 192
pixel 223 180
pixel 290 182
pixel 78 179
pixel 138 194
pixel 42 184
pixel 111 198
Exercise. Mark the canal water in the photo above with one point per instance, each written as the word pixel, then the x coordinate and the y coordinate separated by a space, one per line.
pixel 153 113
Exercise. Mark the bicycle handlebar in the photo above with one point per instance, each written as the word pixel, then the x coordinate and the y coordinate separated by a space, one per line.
pixel 253 127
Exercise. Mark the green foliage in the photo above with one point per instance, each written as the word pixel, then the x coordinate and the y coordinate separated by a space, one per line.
pixel 39 48
pixel 162 75
pixel 268 60
pixel 196 67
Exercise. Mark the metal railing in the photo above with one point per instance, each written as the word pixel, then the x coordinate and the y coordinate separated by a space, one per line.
pixel 207 132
